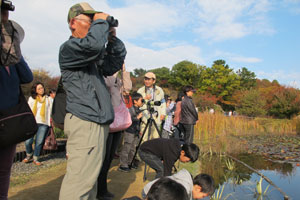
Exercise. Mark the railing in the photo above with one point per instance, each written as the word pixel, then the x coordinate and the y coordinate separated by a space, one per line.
pixel 61 146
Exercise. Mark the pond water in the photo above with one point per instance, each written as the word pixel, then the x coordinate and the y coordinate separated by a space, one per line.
pixel 247 189
pixel 239 182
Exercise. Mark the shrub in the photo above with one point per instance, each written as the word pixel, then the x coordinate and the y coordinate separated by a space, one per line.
pixel 251 104
pixel 285 103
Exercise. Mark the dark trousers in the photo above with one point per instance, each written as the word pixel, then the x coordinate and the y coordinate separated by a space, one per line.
pixel 188 130
pixel 7 156
pixel 154 162
pixel 128 150
pixel 111 146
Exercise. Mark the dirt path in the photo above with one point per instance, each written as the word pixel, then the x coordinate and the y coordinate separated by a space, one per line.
pixel 46 183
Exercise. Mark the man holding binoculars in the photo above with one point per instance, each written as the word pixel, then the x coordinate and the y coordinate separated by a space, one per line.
pixel 93 51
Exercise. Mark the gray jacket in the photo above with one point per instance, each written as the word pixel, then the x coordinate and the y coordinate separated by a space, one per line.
pixel 183 177
pixel 83 63
pixel 189 114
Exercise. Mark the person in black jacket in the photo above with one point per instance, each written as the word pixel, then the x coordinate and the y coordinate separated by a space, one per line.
pixel 161 154
pixel 14 71
pixel 189 114
pixel 131 134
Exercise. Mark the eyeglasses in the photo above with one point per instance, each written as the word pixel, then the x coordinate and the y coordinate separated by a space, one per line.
pixel 146 78
pixel 85 20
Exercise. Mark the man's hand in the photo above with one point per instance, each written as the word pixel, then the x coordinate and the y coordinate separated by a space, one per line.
pixel 162 117
pixel 100 16
pixel 168 103
pixel 112 33
pixel 148 97
pixel 140 115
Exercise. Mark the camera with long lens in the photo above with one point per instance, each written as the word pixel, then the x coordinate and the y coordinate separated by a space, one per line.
pixel 151 104
pixel 7 5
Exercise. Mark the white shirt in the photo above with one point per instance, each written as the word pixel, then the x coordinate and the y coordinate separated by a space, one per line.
pixel 48 107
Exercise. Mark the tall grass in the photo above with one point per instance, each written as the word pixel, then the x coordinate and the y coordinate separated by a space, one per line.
pixel 297 119
pixel 215 127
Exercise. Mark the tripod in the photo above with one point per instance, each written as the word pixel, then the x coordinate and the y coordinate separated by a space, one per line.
pixel 150 121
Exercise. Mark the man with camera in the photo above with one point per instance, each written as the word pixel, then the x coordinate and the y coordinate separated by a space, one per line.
pixel 154 96
pixel 93 51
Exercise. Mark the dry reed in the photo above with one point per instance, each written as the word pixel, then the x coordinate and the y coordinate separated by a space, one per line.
pixel 215 129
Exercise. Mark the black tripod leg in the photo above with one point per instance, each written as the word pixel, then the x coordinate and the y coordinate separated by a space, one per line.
pixel 156 127
pixel 148 126
pixel 149 130
pixel 159 133
pixel 175 169
pixel 149 133
pixel 138 146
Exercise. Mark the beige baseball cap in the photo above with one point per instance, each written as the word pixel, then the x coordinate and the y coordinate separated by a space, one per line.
pixel 80 8
pixel 150 75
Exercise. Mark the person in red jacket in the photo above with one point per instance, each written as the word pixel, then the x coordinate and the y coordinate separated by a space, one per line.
pixel 128 99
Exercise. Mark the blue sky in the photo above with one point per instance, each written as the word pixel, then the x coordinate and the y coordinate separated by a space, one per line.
pixel 261 35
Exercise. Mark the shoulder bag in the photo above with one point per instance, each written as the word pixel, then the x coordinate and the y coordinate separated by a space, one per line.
pixel 122 118
pixel 50 141
pixel 17 123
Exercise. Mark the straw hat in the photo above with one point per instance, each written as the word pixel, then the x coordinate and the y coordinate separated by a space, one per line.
pixel 19 29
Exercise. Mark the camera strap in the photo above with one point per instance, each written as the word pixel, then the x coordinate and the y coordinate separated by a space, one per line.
pixel 153 92
pixel 122 87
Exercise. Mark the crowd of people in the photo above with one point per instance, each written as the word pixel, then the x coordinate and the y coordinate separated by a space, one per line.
pixel 96 83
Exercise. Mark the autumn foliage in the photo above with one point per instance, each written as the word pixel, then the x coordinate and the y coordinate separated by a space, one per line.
pixel 219 84
pixel 218 87
pixel 43 76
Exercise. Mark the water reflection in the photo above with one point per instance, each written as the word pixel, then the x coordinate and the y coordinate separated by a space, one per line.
pixel 240 182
